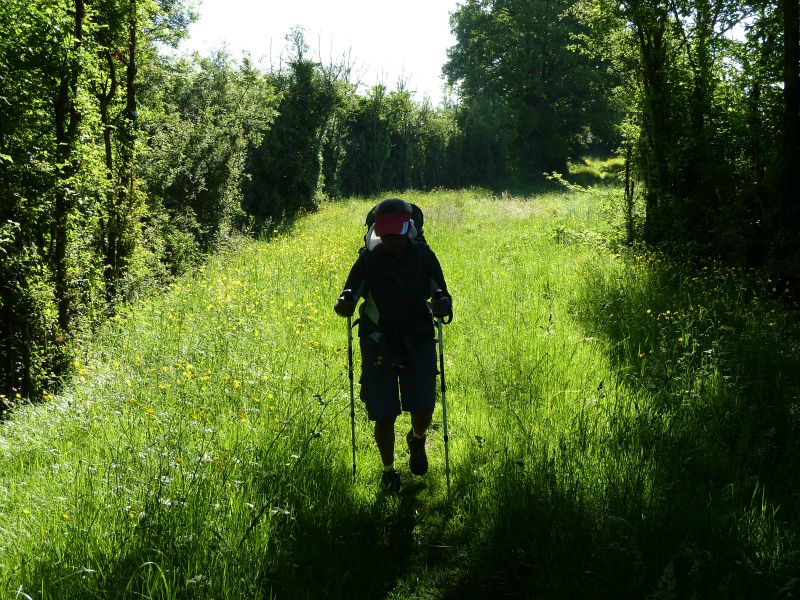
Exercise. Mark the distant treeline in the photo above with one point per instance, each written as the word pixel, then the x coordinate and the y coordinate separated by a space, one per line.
pixel 121 166
pixel 703 97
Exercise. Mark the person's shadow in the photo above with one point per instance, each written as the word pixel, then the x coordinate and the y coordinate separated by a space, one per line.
pixel 358 548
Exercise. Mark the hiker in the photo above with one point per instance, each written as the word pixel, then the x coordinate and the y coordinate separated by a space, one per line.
pixel 396 333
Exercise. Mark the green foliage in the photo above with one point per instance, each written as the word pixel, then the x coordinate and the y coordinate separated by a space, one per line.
pixel 285 168
pixel 202 117
pixel 521 55
pixel 366 145
pixel 709 122
pixel 49 183
pixel 480 152
pixel 620 426
pixel 118 169
pixel 394 144
pixel 337 131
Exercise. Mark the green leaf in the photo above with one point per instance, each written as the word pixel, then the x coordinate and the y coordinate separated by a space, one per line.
pixel 6 158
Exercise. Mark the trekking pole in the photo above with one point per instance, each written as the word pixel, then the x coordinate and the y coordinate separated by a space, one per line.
pixel 352 397
pixel 444 407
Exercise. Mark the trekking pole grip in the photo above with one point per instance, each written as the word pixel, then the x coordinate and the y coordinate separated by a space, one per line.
pixel 440 296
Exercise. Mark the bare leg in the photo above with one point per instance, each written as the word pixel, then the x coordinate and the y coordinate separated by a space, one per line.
pixel 384 438
pixel 417 458
pixel 420 423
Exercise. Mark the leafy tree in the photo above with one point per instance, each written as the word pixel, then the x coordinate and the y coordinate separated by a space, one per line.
pixel 712 112
pixel 480 150
pixel 520 52
pixel 367 145
pixel 202 116
pixel 790 206
pixel 48 167
pixel 336 132
pixel 285 169
pixel 60 112
pixel 126 33
pixel 393 144
pixel 436 129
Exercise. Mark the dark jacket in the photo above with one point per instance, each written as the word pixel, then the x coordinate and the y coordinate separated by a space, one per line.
pixel 396 289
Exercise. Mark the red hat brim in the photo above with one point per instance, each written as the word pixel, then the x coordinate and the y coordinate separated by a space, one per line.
pixel 391 224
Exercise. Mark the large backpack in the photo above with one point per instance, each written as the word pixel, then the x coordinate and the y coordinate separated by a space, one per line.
pixel 371 240
pixel 418 219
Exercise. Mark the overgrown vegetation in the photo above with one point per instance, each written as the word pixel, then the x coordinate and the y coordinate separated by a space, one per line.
pixel 712 128
pixel 624 363
pixel 121 167
pixel 620 427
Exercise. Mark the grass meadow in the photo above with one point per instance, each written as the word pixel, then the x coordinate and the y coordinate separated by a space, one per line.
pixel 621 425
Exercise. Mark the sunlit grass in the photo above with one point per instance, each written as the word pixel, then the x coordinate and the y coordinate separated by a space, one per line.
pixel 204 448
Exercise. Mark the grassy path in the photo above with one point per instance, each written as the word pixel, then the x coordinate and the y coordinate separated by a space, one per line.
pixel 204 449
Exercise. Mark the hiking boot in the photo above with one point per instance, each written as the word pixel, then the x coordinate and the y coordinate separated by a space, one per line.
pixel 418 460
pixel 390 482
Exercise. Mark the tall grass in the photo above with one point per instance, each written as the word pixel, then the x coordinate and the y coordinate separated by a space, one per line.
pixel 598 449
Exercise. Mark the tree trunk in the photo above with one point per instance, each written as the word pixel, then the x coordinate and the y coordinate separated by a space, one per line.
pixel 652 47
pixel 120 219
pixel 628 196
pixel 6 298
pixel 67 119
pixel 791 120
pixel 130 100
pixel 104 99
pixel 105 96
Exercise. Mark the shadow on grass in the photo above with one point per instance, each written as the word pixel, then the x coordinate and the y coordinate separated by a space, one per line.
pixel 718 431
pixel 531 540
pixel 349 548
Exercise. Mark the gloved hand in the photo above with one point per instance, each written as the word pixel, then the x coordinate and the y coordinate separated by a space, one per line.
pixel 441 305
pixel 345 304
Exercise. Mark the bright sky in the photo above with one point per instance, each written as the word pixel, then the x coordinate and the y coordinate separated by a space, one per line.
pixel 387 40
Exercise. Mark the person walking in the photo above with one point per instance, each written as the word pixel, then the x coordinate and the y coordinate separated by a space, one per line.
pixel 396 333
